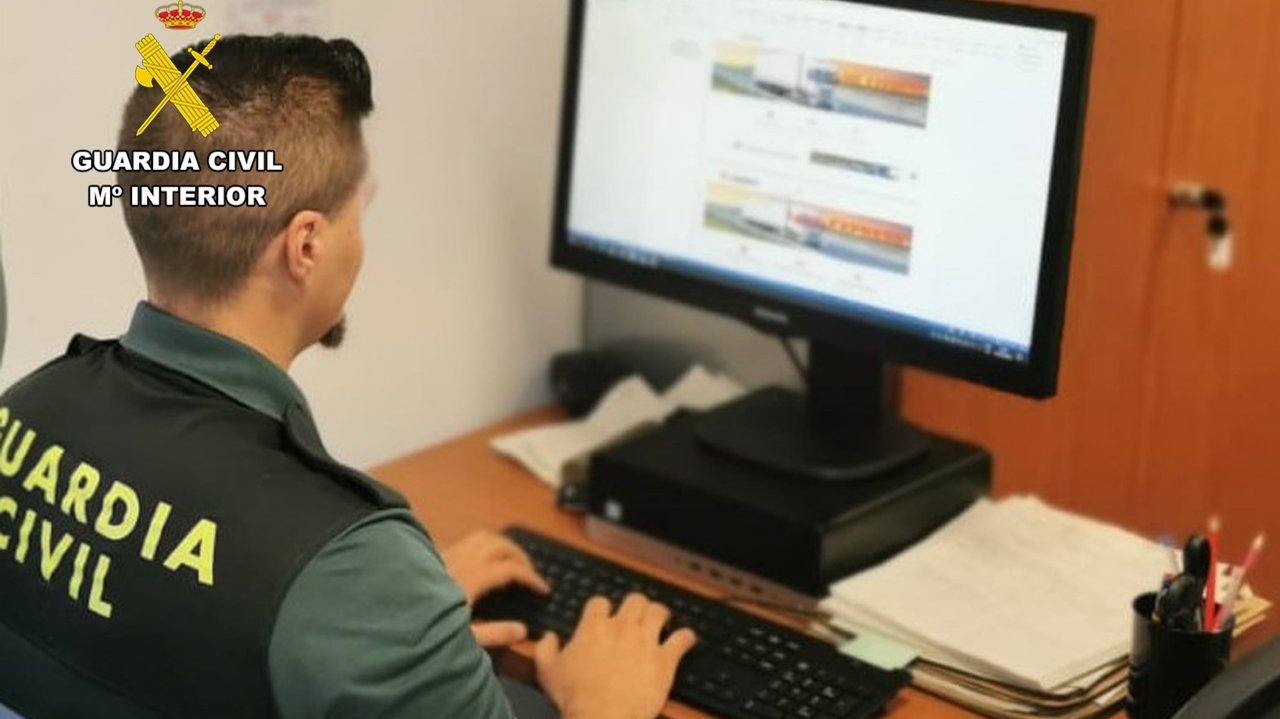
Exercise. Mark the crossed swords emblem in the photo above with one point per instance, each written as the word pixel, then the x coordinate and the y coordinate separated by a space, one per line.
pixel 156 65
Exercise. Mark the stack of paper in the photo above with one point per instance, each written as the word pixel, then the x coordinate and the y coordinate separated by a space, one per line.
pixel 1016 608
pixel 629 406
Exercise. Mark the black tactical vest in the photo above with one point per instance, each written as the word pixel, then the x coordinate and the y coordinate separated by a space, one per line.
pixel 150 527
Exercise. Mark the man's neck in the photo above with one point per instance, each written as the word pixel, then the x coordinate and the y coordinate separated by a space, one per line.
pixel 257 328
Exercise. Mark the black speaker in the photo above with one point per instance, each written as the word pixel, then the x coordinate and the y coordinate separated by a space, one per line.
pixel 579 379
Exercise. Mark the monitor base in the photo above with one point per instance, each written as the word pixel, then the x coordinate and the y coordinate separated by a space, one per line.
pixel 771 428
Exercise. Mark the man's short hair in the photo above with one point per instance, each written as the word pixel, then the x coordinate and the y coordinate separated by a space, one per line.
pixel 302 97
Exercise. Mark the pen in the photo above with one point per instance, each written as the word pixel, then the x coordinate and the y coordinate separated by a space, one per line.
pixel 1195 557
pixel 1237 580
pixel 1195 565
pixel 1211 581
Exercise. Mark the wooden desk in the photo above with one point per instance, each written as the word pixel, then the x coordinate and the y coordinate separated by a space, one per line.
pixel 462 485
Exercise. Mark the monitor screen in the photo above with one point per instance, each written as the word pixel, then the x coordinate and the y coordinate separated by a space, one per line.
pixel 869 165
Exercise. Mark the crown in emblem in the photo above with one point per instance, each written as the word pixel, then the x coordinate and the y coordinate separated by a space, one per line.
pixel 179 17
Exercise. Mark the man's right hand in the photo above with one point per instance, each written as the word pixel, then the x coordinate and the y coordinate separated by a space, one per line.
pixel 614 667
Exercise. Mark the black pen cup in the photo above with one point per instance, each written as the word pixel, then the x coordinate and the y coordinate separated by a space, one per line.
pixel 1167 666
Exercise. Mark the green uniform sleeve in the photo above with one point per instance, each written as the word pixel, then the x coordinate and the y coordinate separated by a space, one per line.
pixel 373 628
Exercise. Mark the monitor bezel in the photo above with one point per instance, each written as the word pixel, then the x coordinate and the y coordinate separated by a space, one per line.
pixel 1037 377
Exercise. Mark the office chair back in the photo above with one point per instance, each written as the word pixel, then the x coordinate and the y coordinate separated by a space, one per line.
pixel 1248 689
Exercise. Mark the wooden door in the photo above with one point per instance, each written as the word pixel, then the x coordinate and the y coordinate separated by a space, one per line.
pixel 1212 384
pixel 1170 372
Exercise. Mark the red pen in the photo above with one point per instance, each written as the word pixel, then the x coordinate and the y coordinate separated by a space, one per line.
pixel 1211 586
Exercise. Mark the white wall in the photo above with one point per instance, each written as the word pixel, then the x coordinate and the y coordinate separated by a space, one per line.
pixel 456 311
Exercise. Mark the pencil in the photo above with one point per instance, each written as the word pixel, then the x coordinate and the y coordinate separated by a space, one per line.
pixel 1237 580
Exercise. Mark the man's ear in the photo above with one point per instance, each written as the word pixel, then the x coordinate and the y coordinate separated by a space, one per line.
pixel 302 244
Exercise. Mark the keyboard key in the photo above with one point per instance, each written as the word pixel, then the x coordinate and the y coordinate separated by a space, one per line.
pixel 843 707
pixel 757 709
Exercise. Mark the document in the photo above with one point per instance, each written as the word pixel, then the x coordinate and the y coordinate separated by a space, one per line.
pixel 1013 590
pixel 629 406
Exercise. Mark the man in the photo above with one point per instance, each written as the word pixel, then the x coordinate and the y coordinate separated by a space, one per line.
pixel 175 540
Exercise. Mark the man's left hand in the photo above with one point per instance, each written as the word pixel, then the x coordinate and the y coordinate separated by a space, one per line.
pixel 483 562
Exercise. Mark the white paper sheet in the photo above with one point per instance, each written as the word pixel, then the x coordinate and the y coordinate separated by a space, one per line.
pixel 546 451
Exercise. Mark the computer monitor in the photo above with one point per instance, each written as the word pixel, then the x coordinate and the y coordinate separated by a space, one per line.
pixel 893 180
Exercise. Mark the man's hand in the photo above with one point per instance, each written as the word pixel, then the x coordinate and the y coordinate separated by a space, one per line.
pixel 614 667
pixel 486 561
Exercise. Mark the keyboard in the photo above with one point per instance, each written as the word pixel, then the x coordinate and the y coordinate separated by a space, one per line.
pixel 742 668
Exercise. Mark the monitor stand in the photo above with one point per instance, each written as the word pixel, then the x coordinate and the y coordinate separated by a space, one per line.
pixel 845 427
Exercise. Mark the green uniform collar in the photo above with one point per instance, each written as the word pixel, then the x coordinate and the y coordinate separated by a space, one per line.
pixel 231 367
